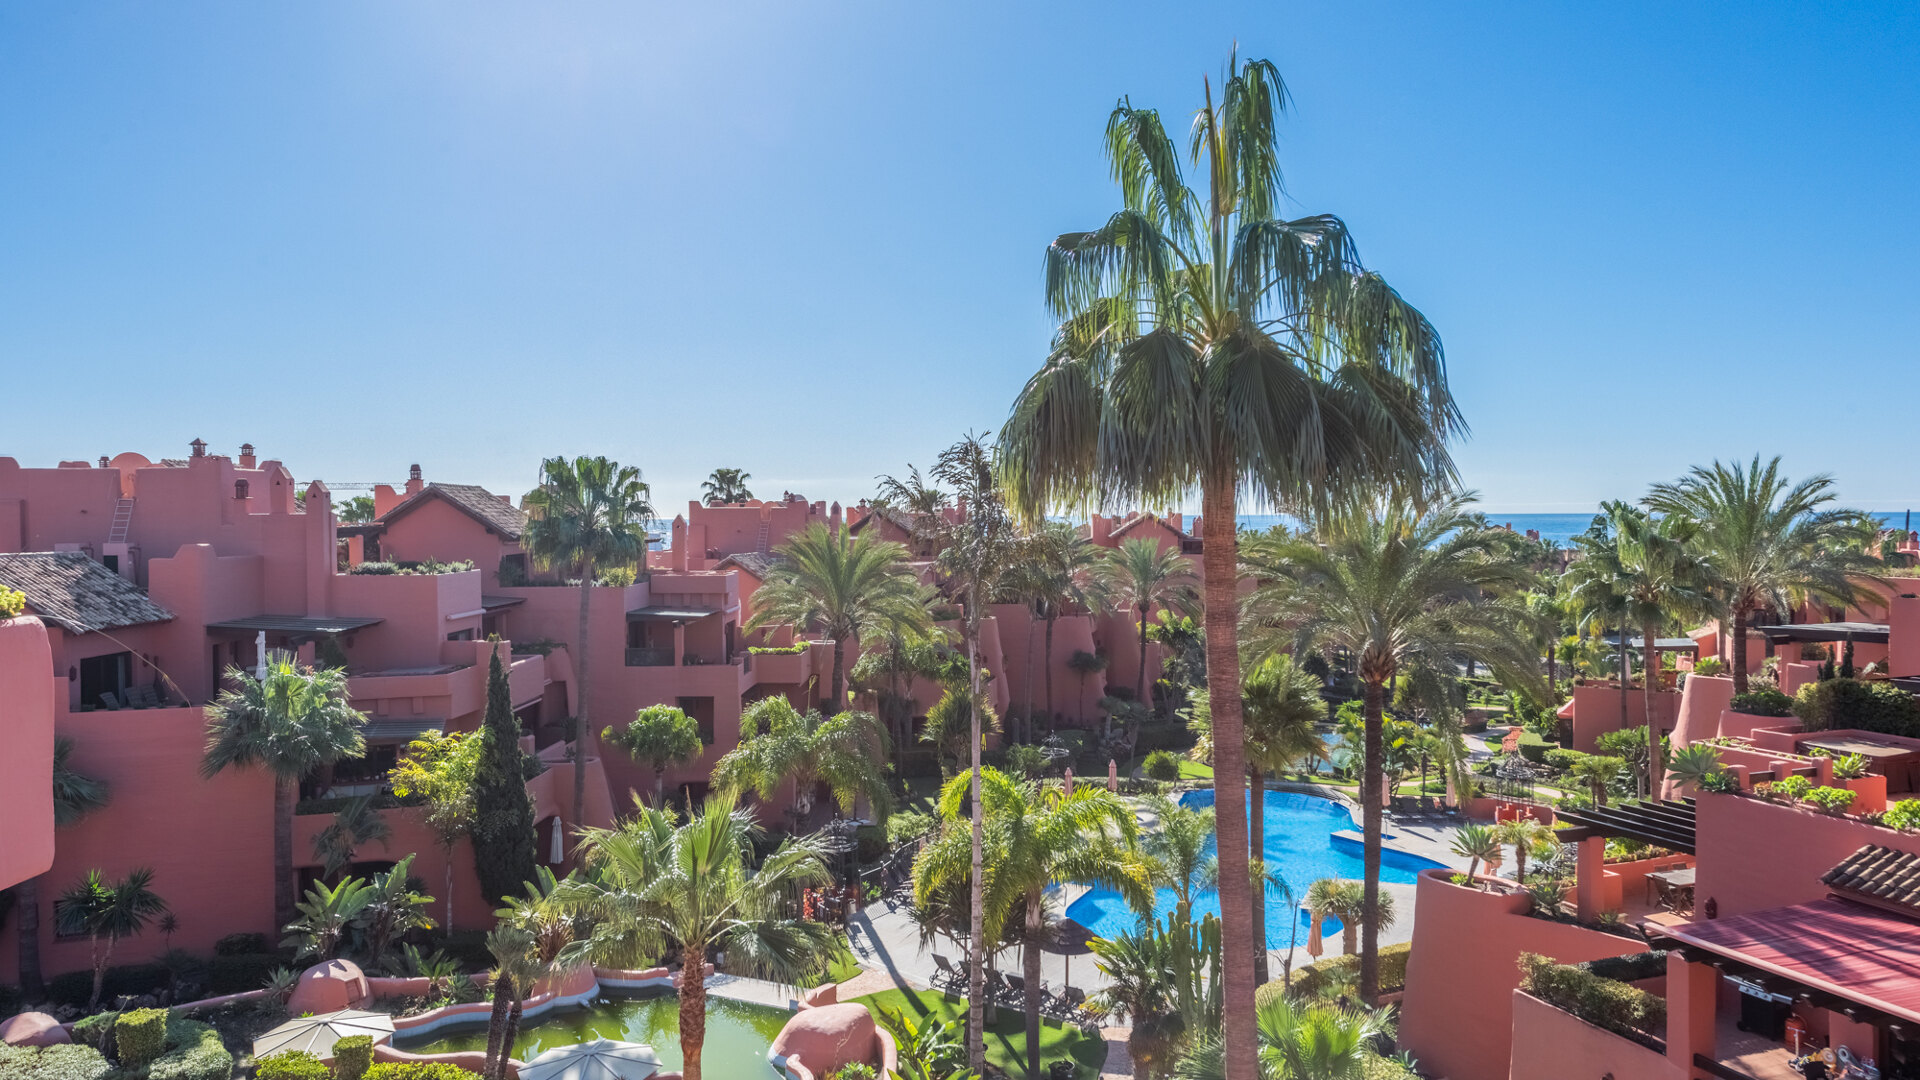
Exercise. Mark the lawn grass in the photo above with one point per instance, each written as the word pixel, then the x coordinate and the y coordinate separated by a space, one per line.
pixel 1189 770
pixel 843 966
pixel 1006 1033
pixel 922 793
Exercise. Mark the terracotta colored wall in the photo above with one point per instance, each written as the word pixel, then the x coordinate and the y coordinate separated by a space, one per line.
pixel 434 529
pixel 1457 1014
pixel 1702 700
pixel 1596 711
pixel 26 750
pixel 1755 854
pixel 1903 635
pixel 209 842
pixel 1549 1044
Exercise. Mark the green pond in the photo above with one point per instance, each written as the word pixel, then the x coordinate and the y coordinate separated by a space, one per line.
pixel 738 1034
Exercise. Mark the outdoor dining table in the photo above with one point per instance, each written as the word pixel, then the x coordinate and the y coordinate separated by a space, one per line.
pixel 1677 880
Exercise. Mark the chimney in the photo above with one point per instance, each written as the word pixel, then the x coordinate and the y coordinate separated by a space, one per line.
pixel 678 555
pixel 414 483
pixel 199 447
pixel 246 455
pixel 104 462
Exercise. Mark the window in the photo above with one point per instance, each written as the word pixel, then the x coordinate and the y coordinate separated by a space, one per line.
pixel 111 562
pixel 109 674
pixel 461 635
pixel 701 709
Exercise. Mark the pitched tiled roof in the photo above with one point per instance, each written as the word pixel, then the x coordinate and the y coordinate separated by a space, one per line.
pixel 895 516
pixel 473 500
pixel 72 591
pixel 1143 516
pixel 757 563
pixel 1878 873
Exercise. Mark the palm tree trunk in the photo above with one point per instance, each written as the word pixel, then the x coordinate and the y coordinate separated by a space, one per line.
pixel 497 1022
pixel 976 902
pixel 582 727
pixel 839 678
pixel 512 1036
pixel 286 790
pixel 1140 680
pixel 33 984
pixel 659 786
pixel 1739 649
pixel 1220 572
pixel 1256 818
pixel 1553 672
pixel 1373 702
pixel 1048 659
pixel 693 1008
pixel 1626 679
pixel 1030 970
pixel 99 968
pixel 1650 679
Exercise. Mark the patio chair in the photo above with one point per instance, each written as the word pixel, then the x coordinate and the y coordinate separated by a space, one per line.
pixel 945 973
pixel 112 703
pixel 1016 987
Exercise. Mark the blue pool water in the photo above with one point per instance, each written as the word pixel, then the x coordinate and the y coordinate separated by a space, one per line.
pixel 1299 844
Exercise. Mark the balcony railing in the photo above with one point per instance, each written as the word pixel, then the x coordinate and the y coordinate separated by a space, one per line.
pixel 661 657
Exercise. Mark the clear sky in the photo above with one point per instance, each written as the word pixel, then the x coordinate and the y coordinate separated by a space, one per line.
pixel 805 239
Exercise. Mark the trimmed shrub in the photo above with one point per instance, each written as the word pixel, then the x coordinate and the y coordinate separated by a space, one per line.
pixel 1629 968
pixel 140 1035
pixel 292 1065
pixel 96 1031
pixel 1608 1004
pixel 194 1052
pixel 1563 759
pixel 72 1061
pixel 1534 748
pixel 351 1057
pixel 1849 703
pixel 238 973
pixel 1306 980
pixel 1161 765
pixel 417 1070
pixel 1762 702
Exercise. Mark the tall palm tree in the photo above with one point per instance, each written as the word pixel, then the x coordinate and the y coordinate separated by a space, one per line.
pixel 1300 1041
pixel 725 486
pixel 654 882
pixel 292 723
pixel 1136 964
pixel 1647 567
pixel 1207 343
pixel 662 736
pixel 921 502
pixel 1177 844
pixel 587 513
pixel 1282 704
pixel 529 943
pixel 1527 837
pixel 846 586
pixel 1597 771
pixel 1772 543
pixel 99 909
pixel 1401 587
pixel 1043 837
pixel 778 744
pixel 1065 581
pixel 1143 576
pixel 75 795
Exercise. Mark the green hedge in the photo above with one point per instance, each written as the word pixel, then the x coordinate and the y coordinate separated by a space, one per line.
pixel 351 1057
pixel 1849 703
pixel 1608 1004
pixel 292 1065
pixel 1762 702
pixel 72 1061
pixel 96 1031
pixel 1393 973
pixel 140 1035
pixel 194 1052
pixel 417 1070
pixel 1534 748
pixel 75 987
pixel 1632 967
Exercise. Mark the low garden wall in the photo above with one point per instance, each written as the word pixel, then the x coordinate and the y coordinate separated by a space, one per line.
pixel 1551 1044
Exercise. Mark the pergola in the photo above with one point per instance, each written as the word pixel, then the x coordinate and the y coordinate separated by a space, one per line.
pixel 1830 631
pixel 1665 824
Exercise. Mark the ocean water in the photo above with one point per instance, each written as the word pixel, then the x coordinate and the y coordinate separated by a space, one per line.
pixel 1557 528
pixel 1300 845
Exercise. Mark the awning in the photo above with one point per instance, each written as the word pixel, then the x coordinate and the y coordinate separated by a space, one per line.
pixel 1826 631
pixel 296 624
pixel 1667 824
pixel 1663 644
pixel 676 614
pixel 491 604
pixel 1834 948
pixel 395 729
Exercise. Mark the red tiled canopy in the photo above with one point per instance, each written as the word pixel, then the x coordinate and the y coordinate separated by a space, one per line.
pixel 1852 951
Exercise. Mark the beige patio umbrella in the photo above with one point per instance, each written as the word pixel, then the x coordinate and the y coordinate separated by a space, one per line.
pixel 317 1034
pixel 601 1059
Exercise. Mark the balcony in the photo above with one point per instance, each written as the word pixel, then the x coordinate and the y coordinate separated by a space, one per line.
pixel 650 657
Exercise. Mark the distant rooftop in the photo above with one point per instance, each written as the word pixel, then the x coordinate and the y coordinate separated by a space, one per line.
pixel 471 499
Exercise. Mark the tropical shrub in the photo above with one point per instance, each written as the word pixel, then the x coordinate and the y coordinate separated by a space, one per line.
pixel 416 1070
pixel 1709 665
pixel 906 825
pixel 1849 703
pixel 75 987
pixel 292 1065
pixel 352 1056
pixel 1850 766
pixel 1833 800
pixel 194 1052
pixel 1161 765
pixel 140 1035
pixel 1720 783
pixel 854 1070
pixel 1605 1003
pixel 1762 702
pixel 1904 814
pixel 72 1061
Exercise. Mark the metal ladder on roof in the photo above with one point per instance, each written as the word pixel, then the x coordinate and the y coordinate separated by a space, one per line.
pixel 766 534
pixel 122 521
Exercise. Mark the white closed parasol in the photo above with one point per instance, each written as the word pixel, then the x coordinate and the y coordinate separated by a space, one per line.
pixel 601 1059
pixel 317 1034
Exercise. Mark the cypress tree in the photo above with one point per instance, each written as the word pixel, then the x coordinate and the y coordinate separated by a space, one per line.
pixel 503 836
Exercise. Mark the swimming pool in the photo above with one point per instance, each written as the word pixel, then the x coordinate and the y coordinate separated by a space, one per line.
pixel 1299 844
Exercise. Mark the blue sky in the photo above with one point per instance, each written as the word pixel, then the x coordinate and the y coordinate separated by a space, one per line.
pixel 805 239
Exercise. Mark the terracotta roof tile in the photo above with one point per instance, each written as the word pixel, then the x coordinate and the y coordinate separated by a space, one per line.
pixel 72 591
pixel 1879 873
pixel 472 499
